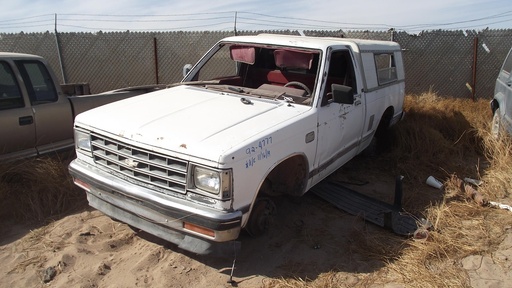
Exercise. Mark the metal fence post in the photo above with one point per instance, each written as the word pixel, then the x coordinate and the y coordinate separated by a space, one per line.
pixel 155 52
pixel 475 58
pixel 59 53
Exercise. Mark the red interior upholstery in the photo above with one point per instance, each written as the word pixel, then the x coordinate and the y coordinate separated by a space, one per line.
pixel 278 77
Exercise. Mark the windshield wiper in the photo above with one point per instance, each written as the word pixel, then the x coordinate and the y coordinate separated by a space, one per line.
pixel 203 82
pixel 237 89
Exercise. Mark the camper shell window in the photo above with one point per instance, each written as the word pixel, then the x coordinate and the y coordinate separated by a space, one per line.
pixel 386 68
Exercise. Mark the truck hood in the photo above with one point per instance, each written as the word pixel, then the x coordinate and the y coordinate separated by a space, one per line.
pixel 190 120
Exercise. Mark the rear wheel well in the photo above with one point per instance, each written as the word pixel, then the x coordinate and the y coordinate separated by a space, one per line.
pixel 385 121
pixel 381 140
pixel 494 105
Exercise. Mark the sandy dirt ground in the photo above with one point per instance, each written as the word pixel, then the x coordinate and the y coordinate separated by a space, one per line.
pixel 88 249
pixel 309 239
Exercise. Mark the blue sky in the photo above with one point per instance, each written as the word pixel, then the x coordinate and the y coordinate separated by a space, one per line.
pixel 199 15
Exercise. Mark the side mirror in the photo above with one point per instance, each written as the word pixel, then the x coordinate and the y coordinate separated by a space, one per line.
pixel 342 94
pixel 186 69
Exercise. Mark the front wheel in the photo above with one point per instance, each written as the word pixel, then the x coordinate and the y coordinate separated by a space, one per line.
pixel 496 124
pixel 261 216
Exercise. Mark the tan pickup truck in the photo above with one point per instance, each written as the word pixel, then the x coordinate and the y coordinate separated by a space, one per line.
pixel 35 116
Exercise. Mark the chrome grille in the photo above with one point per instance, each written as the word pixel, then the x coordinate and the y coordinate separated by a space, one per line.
pixel 156 170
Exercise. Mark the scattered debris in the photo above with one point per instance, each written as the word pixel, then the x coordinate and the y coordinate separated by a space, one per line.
pixel 424 226
pixel 103 269
pixel 473 181
pixel 420 234
pixel 472 193
pixel 432 181
pixel 49 273
pixel 500 206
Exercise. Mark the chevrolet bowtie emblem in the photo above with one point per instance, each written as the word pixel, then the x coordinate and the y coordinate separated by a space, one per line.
pixel 131 163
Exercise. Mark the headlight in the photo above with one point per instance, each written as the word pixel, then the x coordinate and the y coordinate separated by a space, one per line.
pixel 82 141
pixel 213 181
pixel 206 179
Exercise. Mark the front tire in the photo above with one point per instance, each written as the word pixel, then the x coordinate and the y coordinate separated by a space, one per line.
pixel 261 216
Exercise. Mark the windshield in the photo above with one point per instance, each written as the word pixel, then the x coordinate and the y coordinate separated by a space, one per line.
pixel 284 73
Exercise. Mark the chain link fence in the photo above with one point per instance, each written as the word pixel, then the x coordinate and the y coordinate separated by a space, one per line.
pixel 450 63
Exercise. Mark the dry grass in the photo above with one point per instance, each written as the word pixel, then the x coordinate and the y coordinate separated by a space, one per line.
pixel 440 136
pixel 450 139
pixel 36 189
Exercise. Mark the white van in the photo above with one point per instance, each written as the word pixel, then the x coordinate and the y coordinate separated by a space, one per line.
pixel 501 104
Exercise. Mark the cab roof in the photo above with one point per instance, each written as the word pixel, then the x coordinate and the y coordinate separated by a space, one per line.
pixel 10 55
pixel 315 42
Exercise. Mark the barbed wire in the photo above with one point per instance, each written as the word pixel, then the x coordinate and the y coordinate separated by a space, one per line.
pixel 212 21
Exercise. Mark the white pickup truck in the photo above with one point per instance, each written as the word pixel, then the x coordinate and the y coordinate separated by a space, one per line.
pixel 256 117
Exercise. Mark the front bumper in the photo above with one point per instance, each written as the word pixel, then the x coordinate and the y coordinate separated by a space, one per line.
pixel 164 218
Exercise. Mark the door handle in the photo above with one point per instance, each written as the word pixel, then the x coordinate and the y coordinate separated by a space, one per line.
pixel 26 120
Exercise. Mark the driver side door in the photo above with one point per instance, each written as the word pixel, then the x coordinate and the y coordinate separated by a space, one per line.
pixel 340 126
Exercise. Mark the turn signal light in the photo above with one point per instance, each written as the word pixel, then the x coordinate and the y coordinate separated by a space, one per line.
pixel 82 184
pixel 199 229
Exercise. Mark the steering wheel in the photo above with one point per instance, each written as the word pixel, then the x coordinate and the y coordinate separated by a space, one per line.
pixel 299 84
